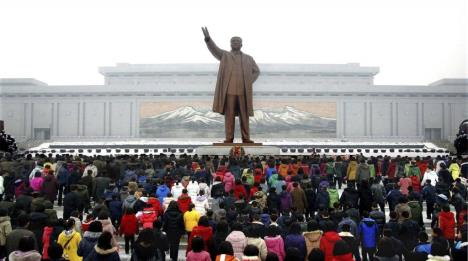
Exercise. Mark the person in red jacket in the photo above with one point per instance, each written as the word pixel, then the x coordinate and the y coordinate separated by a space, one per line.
pixel 447 223
pixel 156 205
pixel 328 240
pixel 239 189
pixel 148 217
pixel 184 201
pixel 204 231
pixel 128 228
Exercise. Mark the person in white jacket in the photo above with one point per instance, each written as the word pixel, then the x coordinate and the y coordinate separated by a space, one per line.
pixel 201 203
pixel 92 168
pixel 431 175
pixel 167 200
pixel 193 189
pixel 176 190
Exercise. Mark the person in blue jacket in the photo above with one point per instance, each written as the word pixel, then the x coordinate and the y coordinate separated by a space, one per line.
pixel 161 192
pixel 368 230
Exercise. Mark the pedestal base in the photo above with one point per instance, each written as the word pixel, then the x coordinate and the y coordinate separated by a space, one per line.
pixel 222 149
pixel 222 144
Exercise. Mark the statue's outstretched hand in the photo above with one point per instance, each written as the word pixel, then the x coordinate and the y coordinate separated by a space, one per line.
pixel 205 32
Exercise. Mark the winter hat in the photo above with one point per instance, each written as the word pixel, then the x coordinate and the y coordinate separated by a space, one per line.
pixel 341 248
pixel 95 226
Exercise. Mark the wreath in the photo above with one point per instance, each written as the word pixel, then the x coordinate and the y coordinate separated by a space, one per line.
pixel 237 152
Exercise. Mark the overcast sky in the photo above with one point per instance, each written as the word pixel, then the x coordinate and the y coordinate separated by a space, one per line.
pixel 64 42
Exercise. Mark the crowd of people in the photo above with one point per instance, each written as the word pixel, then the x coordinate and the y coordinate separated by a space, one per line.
pixel 313 207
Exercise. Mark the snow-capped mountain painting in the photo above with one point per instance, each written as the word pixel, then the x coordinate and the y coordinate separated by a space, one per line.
pixel 188 122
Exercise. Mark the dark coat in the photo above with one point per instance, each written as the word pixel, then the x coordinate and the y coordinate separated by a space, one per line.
pixel 50 187
pixel 173 222
pixel 72 201
pixel 101 184
pixel 87 244
pixel 349 197
pixel 273 201
pixel 298 242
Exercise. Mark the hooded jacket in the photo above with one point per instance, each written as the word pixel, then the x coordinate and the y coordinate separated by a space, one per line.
pixel 351 171
pixel 260 244
pixel 129 202
pixel 162 192
pixel 70 251
pixel 201 204
pixel 327 242
pixel 88 242
pixel 238 242
pixel 25 256
pixel 299 199
pixel 447 224
pixel 193 189
pixel 333 195
pixel 176 190
pixel 191 219
pixel 350 197
pixel 286 201
pixel 312 240
pixel 363 172
pixel 173 222
pixel 369 231
pixel 50 187
pixel 206 233
pixel 148 217
pixel 184 202
pixel 297 241
pixel 352 242
pixel 275 245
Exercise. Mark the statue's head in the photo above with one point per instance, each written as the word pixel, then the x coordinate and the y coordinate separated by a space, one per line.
pixel 236 43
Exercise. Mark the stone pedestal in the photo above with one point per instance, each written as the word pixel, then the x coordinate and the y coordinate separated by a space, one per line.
pixel 221 149
pixel 222 144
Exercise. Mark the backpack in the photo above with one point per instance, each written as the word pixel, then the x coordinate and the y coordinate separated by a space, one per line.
pixel 415 211
pixel 330 170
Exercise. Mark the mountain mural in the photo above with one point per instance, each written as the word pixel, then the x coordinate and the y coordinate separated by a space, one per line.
pixel 267 122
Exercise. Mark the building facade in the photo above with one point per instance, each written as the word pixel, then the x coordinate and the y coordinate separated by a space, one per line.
pixel 351 106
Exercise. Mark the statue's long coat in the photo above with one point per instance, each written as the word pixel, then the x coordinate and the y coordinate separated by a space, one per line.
pixel 250 70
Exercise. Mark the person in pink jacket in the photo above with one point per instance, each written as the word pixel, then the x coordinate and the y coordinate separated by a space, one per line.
pixel 36 182
pixel 275 243
pixel 228 181
pixel 404 183
pixel 238 240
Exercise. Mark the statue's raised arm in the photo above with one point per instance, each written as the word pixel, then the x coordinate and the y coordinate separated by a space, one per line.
pixel 214 49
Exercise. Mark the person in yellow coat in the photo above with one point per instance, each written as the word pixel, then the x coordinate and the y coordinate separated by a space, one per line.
pixel 352 170
pixel 191 218
pixel 69 239
pixel 454 169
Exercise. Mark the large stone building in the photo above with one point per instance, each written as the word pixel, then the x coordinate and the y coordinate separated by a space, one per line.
pixel 32 109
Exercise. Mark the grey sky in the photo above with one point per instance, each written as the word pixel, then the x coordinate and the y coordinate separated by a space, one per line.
pixel 63 42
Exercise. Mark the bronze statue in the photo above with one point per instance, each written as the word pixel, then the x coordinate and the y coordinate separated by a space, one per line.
pixel 233 94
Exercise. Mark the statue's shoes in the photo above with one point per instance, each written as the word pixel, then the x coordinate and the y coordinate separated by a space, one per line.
pixel 228 141
pixel 247 141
